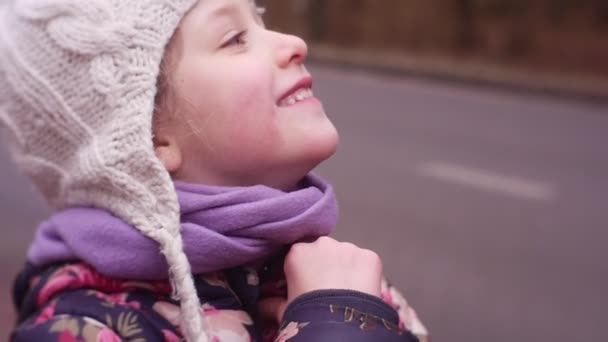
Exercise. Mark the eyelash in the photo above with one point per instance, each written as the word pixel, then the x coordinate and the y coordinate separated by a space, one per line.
pixel 234 40
pixel 260 11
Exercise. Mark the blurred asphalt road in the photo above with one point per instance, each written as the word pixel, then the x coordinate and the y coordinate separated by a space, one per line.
pixel 489 208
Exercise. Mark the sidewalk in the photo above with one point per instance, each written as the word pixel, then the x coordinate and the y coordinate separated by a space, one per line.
pixel 469 71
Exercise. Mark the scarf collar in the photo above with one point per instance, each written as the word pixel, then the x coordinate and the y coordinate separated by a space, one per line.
pixel 222 227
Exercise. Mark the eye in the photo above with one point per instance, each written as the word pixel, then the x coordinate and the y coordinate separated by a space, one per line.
pixel 237 39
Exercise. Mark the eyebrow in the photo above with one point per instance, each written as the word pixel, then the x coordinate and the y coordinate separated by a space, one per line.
pixel 224 9
pixel 218 12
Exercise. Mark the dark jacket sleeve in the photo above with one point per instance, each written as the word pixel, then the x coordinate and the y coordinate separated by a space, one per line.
pixel 341 315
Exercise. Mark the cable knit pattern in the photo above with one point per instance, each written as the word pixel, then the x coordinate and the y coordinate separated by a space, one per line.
pixel 77 87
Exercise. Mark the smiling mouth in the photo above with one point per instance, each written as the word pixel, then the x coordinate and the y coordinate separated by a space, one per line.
pixel 300 95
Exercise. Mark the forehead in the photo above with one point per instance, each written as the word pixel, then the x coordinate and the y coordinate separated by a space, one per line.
pixel 212 7
pixel 206 11
pixel 207 15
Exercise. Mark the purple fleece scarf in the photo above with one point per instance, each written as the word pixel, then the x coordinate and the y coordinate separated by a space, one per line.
pixel 222 227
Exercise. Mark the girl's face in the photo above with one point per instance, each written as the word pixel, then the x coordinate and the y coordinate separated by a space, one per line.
pixel 245 111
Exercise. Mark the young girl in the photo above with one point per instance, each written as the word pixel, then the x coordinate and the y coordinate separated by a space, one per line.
pixel 174 139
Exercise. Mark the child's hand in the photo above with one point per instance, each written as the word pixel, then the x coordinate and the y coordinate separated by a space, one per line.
pixel 326 264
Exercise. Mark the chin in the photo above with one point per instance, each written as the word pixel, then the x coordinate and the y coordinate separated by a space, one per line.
pixel 321 148
pixel 303 161
pixel 328 149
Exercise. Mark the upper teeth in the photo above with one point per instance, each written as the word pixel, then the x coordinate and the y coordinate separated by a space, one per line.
pixel 299 95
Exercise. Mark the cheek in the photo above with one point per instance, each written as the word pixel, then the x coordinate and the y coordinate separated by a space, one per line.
pixel 251 117
pixel 247 103
pixel 235 109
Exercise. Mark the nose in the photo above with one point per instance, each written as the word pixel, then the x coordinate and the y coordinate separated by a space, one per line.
pixel 290 50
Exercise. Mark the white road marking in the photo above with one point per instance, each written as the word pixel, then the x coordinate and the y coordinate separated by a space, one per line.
pixel 488 181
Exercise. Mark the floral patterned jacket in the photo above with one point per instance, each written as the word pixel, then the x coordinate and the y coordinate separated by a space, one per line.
pixel 72 302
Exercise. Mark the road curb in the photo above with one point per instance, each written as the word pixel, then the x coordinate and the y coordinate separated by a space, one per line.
pixel 468 71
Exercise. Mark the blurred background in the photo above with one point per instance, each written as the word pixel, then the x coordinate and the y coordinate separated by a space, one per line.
pixel 557 36
pixel 473 158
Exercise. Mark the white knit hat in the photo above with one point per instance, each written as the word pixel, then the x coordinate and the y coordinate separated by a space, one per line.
pixel 77 87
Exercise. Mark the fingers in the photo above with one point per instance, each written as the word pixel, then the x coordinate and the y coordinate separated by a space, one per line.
pixel 330 264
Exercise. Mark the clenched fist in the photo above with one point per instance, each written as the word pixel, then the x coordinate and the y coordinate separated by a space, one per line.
pixel 326 264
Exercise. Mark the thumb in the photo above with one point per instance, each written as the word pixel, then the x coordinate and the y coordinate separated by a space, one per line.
pixel 272 309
